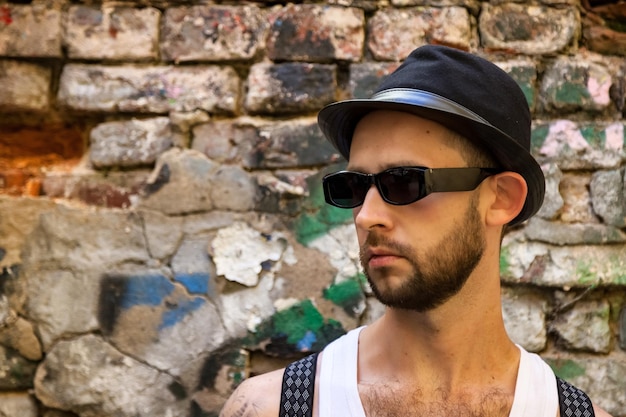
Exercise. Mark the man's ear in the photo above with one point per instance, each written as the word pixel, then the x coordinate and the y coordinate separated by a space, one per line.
pixel 510 191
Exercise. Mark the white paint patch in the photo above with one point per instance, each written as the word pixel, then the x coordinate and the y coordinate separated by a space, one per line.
pixel 239 252
pixel 615 137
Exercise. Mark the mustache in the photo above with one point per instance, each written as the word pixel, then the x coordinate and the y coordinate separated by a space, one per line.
pixel 376 240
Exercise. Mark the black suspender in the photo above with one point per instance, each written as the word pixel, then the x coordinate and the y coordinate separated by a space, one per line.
pixel 296 398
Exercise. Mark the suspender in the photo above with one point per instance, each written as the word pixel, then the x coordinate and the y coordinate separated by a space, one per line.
pixel 296 398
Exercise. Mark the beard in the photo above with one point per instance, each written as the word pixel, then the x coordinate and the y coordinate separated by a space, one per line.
pixel 438 274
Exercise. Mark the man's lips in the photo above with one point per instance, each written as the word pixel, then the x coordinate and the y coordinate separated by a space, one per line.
pixel 380 257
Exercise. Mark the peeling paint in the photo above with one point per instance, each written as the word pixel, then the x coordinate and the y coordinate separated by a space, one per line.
pixel 240 253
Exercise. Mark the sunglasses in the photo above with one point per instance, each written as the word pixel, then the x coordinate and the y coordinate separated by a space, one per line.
pixel 400 185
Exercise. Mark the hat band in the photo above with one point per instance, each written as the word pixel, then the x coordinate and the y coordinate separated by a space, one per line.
pixel 421 98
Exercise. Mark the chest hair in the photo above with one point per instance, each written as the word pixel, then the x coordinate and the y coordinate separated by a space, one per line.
pixel 387 401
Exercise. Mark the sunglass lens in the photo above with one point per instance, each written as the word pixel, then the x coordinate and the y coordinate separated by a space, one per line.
pixel 400 185
pixel 347 189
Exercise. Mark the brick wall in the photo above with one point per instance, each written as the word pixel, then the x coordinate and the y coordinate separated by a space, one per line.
pixel 162 231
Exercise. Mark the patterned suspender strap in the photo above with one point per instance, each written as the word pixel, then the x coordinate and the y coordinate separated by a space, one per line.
pixel 572 401
pixel 296 397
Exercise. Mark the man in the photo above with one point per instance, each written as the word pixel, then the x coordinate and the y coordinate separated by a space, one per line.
pixel 438 165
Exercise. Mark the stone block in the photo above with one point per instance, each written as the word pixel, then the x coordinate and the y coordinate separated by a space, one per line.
pixel 608 190
pixel 394 33
pixel 101 189
pixel 288 88
pixel 94 369
pixel 572 84
pixel 282 191
pixel 161 89
pixel 226 140
pixel 603 39
pixel 112 33
pixel 16 372
pixel 585 327
pixel 365 77
pixel 213 33
pixel 130 143
pixel 553 201
pixel 567 267
pixel 16 404
pixel 602 378
pixel 579 145
pixel 528 29
pixel 180 183
pixel 25 86
pixel 576 208
pixel 163 234
pixel 524 316
pixel 30 30
pixel 316 33
pixel 622 329
pixel 557 233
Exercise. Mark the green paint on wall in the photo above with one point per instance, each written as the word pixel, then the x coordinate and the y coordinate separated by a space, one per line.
pixel 566 369
pixel 594 136
pixel 505 265
pixel 526 76
pixel 318 217
pixel 538 136
pixel 297 320
pixel 584 273
pixel 346 294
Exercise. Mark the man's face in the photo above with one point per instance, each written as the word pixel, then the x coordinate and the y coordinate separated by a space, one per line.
pixel 416 256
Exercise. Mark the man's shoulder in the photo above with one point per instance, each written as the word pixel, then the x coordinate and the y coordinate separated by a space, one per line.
pixel 258 396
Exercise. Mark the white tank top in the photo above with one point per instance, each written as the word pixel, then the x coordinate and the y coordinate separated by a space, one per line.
pixel 535 390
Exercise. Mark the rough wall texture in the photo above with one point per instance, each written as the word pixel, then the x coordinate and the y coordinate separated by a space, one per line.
pixel 162 229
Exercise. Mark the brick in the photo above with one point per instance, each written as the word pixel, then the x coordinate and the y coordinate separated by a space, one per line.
pixel 585 327
pixel 622 329
pixel 552 202
pixel 524 316
pixel 576 208
pixel 225 141
pixel 608 190
pixel 30 30
pixel 25 86
pixel 572 266
pixel 130 143
pixel 365 78
pixel 583 145
pixel 158 89
pixel 572 84
pixel 527 29
pixel 394 33
pixel 289 88
pixel 213 33
pixel 557 233
pixel 315 33
pixel 16 372
pixel 16 404
pixel 282 191
pixel 602 39
pixel 112 33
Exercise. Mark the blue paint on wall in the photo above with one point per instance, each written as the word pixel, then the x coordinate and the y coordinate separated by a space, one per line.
pixel 306 343
pixel 178 312
pixel 196 283
pixel 146 290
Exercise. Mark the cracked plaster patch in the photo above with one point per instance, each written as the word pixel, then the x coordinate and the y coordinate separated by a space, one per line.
pixel 240 252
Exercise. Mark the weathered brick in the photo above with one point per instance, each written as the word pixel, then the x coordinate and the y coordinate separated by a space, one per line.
pixel 576 208
pixel 25 86
pixel 601 377
pixel 16 372
pixel 110 32
pixel 394 33
pixel 528 29
pixel 557 233
pixel 289 88
pixel 130 143
pixel 30 30
pixel 585 327
pixel 364 78
pixel 524 316
pixel 552 202
pixel 290 144
pixel 16 404
pixel 571 84
pixel 524 72
pixel 282 191
pixel 148 89
pixel 602 39
pixel 583 145
pixel 472 5
pixel 316 33
pixel 608 190
pixel 622 328
pixel 562 266
pixel 213 33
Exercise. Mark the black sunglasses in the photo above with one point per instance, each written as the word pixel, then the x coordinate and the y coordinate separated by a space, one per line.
pixel 400 185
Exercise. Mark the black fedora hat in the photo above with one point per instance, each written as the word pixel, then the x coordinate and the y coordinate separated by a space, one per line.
pixel 461 91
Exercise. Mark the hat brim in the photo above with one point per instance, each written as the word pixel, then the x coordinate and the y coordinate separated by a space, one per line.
pixel 338 122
